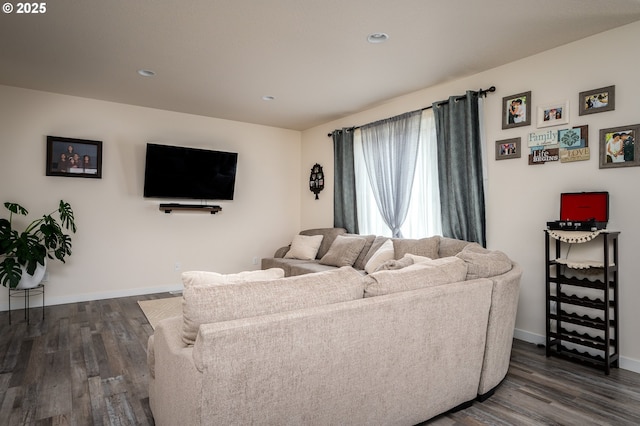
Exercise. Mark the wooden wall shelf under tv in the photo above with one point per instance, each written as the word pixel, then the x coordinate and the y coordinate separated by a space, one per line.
pixel 168 208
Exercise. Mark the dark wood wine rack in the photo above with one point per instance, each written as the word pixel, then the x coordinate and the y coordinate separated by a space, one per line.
pixel 590 338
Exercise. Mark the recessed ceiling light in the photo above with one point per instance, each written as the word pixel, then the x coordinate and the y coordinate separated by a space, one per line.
pixel 146 73
pixel 268 98
pixel 377 38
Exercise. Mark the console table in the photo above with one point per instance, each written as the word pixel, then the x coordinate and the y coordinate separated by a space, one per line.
pixel 26 295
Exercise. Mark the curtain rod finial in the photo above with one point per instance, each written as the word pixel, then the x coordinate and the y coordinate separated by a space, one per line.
pixel 484 92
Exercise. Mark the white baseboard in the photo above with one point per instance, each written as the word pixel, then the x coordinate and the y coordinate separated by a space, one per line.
pixel 529 337
pixel 36 300
pixel 537 339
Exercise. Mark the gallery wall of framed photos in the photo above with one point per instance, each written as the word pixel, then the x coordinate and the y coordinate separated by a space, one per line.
pixel 553 138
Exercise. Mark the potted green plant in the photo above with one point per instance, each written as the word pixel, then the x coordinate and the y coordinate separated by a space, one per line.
pixel 25 252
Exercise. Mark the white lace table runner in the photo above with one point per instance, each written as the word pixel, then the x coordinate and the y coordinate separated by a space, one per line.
pixel 574 236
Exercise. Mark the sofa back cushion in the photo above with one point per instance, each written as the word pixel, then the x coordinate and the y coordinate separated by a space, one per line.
pixel 419 275
pixel 344 251
pixel 427 247
pixel 203 303
pixel 328 234
pixel 451 246
pixel 483 263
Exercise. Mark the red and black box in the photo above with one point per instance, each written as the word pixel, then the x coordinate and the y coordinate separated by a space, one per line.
pixel 583 211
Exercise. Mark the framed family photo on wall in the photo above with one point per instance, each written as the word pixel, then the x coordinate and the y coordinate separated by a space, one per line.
pixel 74 157
pixel 516 110
pixel 508 148
pixel 618 147
pixel 553 114
pixel 597 100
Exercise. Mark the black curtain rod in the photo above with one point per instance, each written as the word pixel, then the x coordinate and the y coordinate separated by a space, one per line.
pixel 481 92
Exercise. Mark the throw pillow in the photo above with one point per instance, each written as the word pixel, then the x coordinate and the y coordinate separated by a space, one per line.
pixel 416 258
pixel 393 264
pixel 483 263
pixel 427 247
pixel 362 257
pixel 328 234
pixel 304 247
pixel 203 304
pixel 214 278
pixel 384 253
pixel 451 246
pixel 419 275
pixel 343 251
pixel 375 245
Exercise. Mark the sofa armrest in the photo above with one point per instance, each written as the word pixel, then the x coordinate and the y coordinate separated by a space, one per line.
pixel 281 251
pixel 500 329
pixel 175 392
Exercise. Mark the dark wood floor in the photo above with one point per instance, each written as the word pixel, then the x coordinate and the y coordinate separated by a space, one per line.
pixel 551 391
pixel 85 364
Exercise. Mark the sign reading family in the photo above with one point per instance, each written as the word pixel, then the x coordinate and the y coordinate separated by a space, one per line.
pixel 549 137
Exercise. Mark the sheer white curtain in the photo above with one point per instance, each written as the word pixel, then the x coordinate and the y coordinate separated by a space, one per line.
pixel 423 218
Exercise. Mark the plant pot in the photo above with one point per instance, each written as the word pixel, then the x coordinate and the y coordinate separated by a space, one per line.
pixel 31 281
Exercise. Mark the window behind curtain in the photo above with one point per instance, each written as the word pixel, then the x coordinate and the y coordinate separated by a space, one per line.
pixel 423 218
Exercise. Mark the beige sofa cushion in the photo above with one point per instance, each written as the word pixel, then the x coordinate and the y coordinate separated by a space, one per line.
pixel 483 263
pixel 208 304
pixel 427 247
pixel 420 275
pixel 375 246
pixel 214 278
pixel 416 258
pixel 328 234
pixel 344 251
pixel 451 246
pixel 383 253
pixel 304 247
pixel 393 264
pixel 282 263
pixel 362 257
pixel 309 268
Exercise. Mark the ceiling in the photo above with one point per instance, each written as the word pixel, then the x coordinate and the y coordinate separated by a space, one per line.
pixel 218 58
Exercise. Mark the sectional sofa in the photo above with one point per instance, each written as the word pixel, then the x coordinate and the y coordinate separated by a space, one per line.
pixel 417 337
pixel 354 250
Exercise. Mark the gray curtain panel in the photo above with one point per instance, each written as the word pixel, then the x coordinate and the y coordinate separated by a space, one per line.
pixel 390 150
pixel 460 168
pixel 345 212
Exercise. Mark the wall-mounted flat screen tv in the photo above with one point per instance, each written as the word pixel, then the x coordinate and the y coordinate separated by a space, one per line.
pixel 180 172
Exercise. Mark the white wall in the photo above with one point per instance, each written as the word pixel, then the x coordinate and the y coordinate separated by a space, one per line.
pixel 124 244
pixel 522 198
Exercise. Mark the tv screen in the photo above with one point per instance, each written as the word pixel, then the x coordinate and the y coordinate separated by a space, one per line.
pixel 180 172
